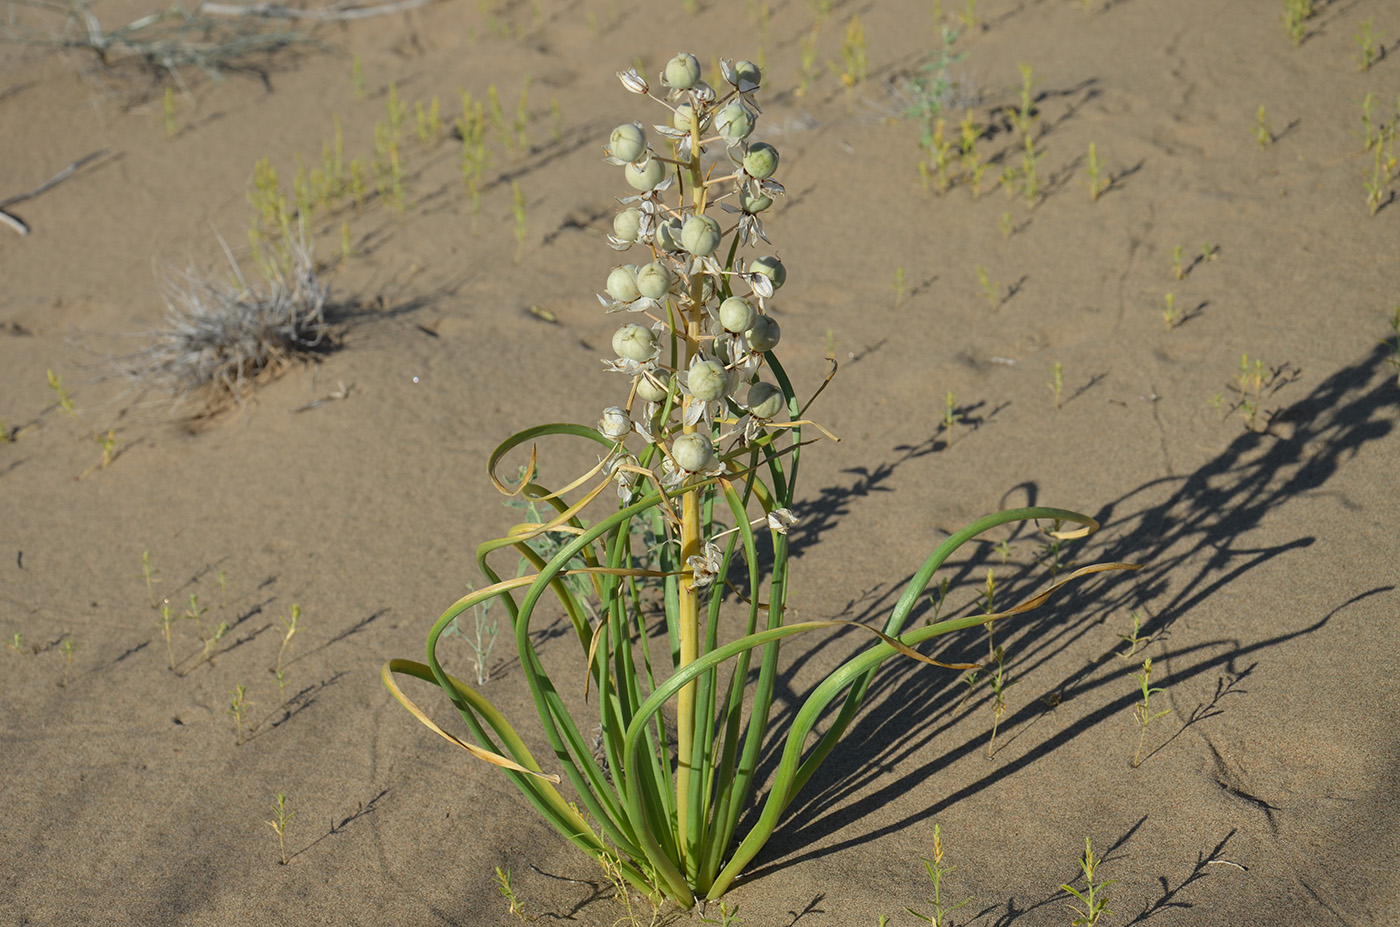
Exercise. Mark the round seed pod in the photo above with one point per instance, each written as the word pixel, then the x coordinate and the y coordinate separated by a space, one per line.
pixel 653 280
pixel 646 176
pixel 634 342
pixel 765 401
pixel 736 314
pixel 627 224
pixel 753 203
pixel 693 452
pixel 770 267
pixel 680 119
pixel 708 380
pixel 649 391
pixel 614 424
pixel 668 235
pixel 628 142
pixel 734 121
pixel 700 235
pixel 746 72
pixel 682 72
pixel 622 283
pixel 763 335
pixel 761 161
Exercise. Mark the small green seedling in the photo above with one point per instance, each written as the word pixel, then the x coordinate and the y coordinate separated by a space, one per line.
pixel 1132 639
pixel 1369 46
pixel 1050 551
pixel 279 823
pixel 1169 313
pixel 222 578
pixel 969 14
pixel 1217 402
pixel 168 112
pixel 1143 710
pixel 1209 252
pixel 1031 180
pixel 999 686
pixel 68 646
pixel 166 622
pixel 209 645
pixel 1369 134
pixel 1095 903
pixel 1262 133
pixel 1097 181
pixel 728 916
pixel 936 872
pixel 901 287
pixel 809 54
pixel 148 573
pixel 1376 183
pixel 508 892
pixel 951 415
pixel 1178 269
pixel 936 600
pixel 65 401
pixel 1005 548
pixel 429 121
pixel 195 612
pixel 853 55
pixel 289 629
pixel 990 289
pixel 1023 116
pixel 1296 14
pixel 1006 225
pixel 1057 381
pixel 236 707
pixel 16 643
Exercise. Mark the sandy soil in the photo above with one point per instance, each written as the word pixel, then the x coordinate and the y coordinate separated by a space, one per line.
pixel 1267 796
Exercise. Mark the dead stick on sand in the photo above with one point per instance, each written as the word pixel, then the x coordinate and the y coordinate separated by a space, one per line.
pixel 334 13
pixel 13 221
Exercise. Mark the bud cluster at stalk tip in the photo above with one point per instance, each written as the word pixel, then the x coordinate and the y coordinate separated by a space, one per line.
pixel 700 309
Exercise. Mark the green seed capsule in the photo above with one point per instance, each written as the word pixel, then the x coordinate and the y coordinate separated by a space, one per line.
pixel 628 142
pixel 627 224
pixel 614 424
pixel 634 342
pixel 693 452
pixel 668 235
pixel 736 314
pixel 622 283
pixel 645 177
pixel 647 391
pixel 753 203
pixel 763 335
pixel 707 380
pixel 653 280
pixel 682 72
pixel 700 235
pixel 746 72
pixel 770 267
pixel 680 119
pixel 765 400
pixel 734 121
pixel 761 161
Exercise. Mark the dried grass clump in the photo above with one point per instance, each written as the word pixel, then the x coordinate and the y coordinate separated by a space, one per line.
pixel 222 333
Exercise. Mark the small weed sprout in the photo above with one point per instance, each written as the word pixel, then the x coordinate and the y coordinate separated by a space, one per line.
pixel 936 872
pixel 108 443
pixel 1250 381
pixel 1031 180
pixel 16 643
pixel 289 629
pixel 1095 903
pixel 195 612
pixel 1376 182
pixel 936 598
pixel 508 893
pixel 520 124
pixel 1217 402
pixel 1005 549
pixel 1178 269
pixel 1394 322
pixel 969 15
pixel 1050 551
pixel 1143 710
pixel 482 639
pixel 1262 133
pixel 472 127
pixel 728 916
pixel 951 415
pixel 1209 252
pixel 1132 639
pixel 1369 135
pixel 1169 312
pixel 167 621
pixel 1007 227
pixel 901 286
pixel 222 579
pixel 853 55
pixel 281 816
pixel 809 71
pixel 1369 46
pixel 148 573
pixel 168 113
pixel 67 647
pixel 999 686
pixel 1057 381
pixel 65 401
pixel 1296 14
pixel 1098 183
pixel 236 707
pixel 429 121
pixel 991 290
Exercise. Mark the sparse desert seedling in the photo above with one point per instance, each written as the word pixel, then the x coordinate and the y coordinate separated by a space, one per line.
pixel 901 286
pixel 951 415
pixel 168 113
pixel 1029 177
pixel 1057 381
pixel 1209 252
pixel 289 630
pixel 1251 379
pixel 222 579
pixel 1005 549
pixel 991 290
pixel 1169 313
pixel 936 872
pixel 1369 45
pixel 508 893
pixel 167 622
pixel 357 78
pixel 1178 269
pixel 237 705
pixel 65 401
pixel 1024 115
pixel 700 454
pixel 481 638
pixel 936 598
pixel 1296 14
pixel 1007 226
pixel 853 55
pixel 148 573
pixel 969 15
pixel 1395 328
pixel 1262 133
pixel 1098 183
pixel 1092 898
pixel 728 917
pixel 809 71
pixel 67 648
pixel 1132 639
pixel 999 684
pixel 281 817
pixel 16 643
pixel 1143 709
pixel 1377 181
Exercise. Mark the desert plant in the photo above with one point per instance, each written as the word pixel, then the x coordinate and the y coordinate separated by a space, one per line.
pixel 1095 172
pixel 1170 315
pixel 711 428
pixel 1262 133
pixel 1095 904
pixel 1143 710
pixel 289 630
pixel 1394 321
pixel 237 706
pixel 1369 45
pixel 279 823
pixel 16 643
pixel 991 290
pixel 1057 381
pixel 853 55
pixel 936 872
pixel 67 648
pixel 148 573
